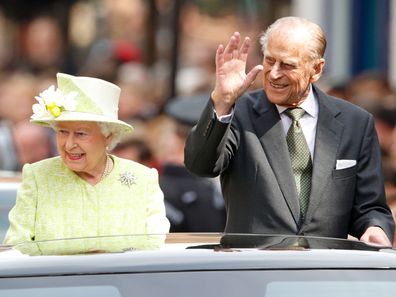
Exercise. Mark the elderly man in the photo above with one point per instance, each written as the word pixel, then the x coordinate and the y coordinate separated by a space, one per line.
pixel 292 160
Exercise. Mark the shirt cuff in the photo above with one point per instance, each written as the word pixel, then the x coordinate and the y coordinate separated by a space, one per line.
pixel 225 119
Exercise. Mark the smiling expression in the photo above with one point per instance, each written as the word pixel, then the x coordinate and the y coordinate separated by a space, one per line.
pixel 288 69
pixel 82 147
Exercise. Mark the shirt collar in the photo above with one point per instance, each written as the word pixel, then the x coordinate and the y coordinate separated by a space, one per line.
pixel 310 105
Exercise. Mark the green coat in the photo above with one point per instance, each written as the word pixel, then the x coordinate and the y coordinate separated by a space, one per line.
pixel 53 202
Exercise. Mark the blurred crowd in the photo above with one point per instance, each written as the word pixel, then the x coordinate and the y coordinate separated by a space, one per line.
pixel 131 43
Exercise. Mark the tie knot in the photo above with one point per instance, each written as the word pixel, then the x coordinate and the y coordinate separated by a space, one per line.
pixel 295 113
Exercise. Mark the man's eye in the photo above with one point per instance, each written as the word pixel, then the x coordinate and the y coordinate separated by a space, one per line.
pixel 269 61
pixel 287 66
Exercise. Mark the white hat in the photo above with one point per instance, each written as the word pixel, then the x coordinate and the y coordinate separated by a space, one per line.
pixel 79 98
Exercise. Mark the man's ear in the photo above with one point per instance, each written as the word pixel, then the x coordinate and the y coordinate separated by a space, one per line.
pixel 317 70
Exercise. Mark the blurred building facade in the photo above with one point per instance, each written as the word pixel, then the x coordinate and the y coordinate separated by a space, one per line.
pixel 361 36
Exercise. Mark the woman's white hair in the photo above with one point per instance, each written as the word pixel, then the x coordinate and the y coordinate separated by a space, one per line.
pixel 115 131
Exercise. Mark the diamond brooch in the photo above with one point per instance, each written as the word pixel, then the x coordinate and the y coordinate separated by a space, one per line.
pixel 127 179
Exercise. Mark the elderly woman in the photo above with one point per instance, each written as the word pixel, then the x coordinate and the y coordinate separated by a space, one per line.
pixel 85 191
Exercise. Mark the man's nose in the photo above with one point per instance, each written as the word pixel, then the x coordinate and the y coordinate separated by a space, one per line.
pixel 275 72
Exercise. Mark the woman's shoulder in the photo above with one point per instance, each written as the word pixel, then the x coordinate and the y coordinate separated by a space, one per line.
pixel 46 170
pixel 49 162
pixel 54 162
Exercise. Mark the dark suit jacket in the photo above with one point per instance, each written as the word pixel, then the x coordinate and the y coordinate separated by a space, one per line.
pixel 258 186
pixel 189 199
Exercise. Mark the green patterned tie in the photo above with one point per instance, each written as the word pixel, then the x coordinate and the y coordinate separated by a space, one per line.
pixel 300 158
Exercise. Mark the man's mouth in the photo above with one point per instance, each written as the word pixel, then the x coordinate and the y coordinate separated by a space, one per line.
pixel 278 86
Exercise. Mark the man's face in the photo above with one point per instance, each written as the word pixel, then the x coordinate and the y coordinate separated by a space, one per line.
pixel 288 71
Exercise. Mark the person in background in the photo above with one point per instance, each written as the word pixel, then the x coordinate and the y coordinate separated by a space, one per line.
pixel 20 141
pixel 135 149
pixel 85 191
pixel 189 198
pixel 17 93
pixel 292 159
pixel 32 143
pixel 43 47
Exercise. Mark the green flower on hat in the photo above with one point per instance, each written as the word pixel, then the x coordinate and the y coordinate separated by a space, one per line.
pixel 52 102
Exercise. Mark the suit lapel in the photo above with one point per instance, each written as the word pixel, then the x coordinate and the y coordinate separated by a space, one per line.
pixel 269 127
pixel 328 135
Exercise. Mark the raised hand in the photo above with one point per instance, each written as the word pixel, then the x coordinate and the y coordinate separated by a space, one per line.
pixel 231 78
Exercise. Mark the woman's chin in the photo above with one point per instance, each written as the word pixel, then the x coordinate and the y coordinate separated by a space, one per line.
pixel 74 165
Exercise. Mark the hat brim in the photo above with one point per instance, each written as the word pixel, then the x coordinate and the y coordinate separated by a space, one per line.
pixel 81 117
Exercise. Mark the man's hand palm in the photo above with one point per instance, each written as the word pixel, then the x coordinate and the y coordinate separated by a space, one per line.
pixel 231 77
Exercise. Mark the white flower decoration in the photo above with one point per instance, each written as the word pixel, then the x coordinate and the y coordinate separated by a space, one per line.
pixel 52 102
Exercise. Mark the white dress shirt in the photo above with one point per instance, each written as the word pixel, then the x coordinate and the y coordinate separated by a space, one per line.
pixel 308 121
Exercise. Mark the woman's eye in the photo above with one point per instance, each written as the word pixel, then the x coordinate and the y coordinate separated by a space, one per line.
pixel 81 134
pixel 62 132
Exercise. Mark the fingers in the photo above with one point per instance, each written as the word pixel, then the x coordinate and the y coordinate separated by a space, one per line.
pixel 231 79
pixel 232 46
pixel 232 51
pixel 219 56
pixel 251 76
pixel 243 52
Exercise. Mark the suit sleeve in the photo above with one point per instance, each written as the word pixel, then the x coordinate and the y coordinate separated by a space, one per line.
pixel 210 144
pixel 22 215
pixel 370 207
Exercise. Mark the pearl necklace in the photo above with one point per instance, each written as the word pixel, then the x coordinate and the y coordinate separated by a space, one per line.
pixel 107 169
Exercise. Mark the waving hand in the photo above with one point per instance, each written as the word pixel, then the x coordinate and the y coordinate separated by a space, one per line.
pixel 231 78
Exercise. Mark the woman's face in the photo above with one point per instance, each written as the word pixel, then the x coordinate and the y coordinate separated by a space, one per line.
pixel 82 147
